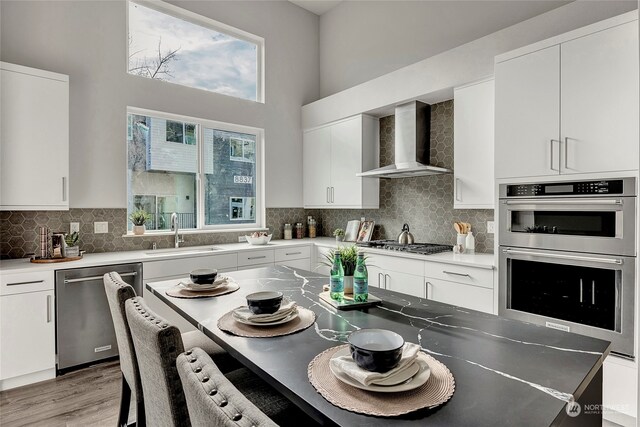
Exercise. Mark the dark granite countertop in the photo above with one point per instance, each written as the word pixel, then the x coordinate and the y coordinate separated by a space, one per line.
pixel 507 372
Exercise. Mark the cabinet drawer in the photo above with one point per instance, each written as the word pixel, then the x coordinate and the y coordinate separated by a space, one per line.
pixel 19 283
pixel 286 254
pixel 183 266
pixel 460 295
pixel 255 257
pixel 459 273
pixel 394 263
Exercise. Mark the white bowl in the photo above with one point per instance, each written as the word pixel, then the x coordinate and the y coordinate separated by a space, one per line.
pixel 262 240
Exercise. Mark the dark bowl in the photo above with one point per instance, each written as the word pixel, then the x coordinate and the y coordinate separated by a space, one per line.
pixel 376 350
pixel 204 276
pixel 265 302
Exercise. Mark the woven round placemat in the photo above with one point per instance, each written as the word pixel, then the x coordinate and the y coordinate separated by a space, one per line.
pixel 182 292
pixel 436 391
pixel 305 319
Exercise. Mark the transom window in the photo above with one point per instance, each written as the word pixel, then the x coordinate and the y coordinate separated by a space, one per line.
pixel 174 45
pixel 182 165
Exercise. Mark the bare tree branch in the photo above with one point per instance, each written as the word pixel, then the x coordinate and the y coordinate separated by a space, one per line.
pixel 156 68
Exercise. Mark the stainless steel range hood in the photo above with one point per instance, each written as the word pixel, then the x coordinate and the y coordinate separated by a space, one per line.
pixel 412 144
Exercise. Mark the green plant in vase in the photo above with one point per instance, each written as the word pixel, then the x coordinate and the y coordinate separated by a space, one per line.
pixel 349 257
pixel 71 242
pixel 338 233
pixel 138 219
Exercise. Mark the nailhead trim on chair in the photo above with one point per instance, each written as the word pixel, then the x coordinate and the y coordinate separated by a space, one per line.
pixel 213 391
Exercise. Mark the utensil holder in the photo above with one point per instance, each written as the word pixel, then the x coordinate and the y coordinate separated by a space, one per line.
pixel 461 241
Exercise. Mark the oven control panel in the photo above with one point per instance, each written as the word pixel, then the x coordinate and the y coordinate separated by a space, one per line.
pixel 615 186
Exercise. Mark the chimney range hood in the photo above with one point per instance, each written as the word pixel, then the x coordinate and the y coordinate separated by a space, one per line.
pixel 412 144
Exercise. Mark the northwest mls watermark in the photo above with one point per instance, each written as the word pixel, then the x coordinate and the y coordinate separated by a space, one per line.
pixel 574 409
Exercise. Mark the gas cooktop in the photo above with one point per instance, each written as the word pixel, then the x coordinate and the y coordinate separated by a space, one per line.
pixel 416 248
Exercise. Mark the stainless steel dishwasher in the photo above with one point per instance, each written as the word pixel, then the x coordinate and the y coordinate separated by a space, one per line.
pixel 84 329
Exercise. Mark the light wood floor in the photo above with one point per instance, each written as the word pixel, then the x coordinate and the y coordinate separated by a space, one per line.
pixel 88 397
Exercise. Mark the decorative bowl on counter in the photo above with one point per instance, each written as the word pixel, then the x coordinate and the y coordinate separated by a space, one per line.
pixel 265 302
pixel 262 239
pixel 377 350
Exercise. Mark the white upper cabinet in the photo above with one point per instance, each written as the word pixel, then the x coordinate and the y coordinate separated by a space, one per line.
pixel 333 155
pixel 570 105
pixel 473 109
pixel 600 101
pixel 34 141
pixel 527 122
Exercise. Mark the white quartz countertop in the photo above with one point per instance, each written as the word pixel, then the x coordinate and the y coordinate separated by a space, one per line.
pixel 124 257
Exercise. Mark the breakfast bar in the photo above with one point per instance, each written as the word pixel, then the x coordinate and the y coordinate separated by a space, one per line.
pixel 506 372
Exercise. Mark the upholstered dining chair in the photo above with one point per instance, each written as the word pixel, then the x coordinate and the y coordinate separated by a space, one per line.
pixel 118 291
pixel 158 345
pixel 212 399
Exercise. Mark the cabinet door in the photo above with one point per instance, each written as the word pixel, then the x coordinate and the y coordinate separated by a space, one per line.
pixel 346 161
pixel 27 333
pixel 600 101
pixel 316 167
pixel 527 124
pixel 473 146
pixel 460 295
pixel 376 276
pixel 34 166
pixel 405 283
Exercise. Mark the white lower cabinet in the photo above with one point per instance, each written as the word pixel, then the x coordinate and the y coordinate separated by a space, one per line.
pixel 473 297
pixel 404 283
pixel 27 329
pixel 619 390
pixel 299 264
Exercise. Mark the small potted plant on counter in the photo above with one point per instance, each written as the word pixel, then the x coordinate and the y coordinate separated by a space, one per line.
pixel 138 219
pixel 349 256
pixel 339 234
pixel 72 249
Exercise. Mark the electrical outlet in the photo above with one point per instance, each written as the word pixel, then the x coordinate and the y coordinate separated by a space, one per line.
pixel 74 227
pixel 491 227
pixel 242 239
pixel 100 227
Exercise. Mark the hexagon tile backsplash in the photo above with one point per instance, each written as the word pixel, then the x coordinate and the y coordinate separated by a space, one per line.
pixel 425 203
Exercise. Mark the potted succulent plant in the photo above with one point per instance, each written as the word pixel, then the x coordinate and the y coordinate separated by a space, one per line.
pixel 138 219
pixel 71 240
pixel 339 234
pixel 349 256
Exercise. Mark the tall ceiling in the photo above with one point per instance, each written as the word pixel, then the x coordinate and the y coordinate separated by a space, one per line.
pixel 318 7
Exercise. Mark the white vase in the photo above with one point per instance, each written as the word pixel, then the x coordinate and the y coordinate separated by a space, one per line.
pixel 348 285
pixel 72 251
pixel 339 238
pixel 139 229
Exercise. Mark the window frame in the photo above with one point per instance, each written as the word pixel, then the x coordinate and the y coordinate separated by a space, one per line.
pixel 197 19
pixel 243 158
pixel 201 124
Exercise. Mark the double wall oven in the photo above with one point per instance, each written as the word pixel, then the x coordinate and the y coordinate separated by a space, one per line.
pixel 568 257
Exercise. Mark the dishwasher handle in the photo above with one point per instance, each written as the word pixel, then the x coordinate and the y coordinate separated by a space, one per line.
pixel 91 278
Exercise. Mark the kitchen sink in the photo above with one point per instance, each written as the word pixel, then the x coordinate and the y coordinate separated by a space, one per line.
pixel 183 251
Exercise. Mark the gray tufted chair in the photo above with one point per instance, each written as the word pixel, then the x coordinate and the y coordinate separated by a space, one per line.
pixel 118 292
pixel 157 345
pixel 211 398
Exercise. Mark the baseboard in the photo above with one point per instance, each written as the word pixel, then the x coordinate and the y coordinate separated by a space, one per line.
pixel 619 418
pixel 23 380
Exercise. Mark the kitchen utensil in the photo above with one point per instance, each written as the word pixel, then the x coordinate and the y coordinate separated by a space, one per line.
pixel 456 226
pixel 405 237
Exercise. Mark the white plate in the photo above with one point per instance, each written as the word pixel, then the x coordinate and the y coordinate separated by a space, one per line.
pixel 188 284
pixel 288 318
pixel 421 377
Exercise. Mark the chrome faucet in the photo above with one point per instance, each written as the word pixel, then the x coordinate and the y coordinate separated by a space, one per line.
pixel 174 227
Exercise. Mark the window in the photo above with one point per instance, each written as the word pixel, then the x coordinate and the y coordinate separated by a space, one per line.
pixel 183 133
pixel 182 165
pixel 174 45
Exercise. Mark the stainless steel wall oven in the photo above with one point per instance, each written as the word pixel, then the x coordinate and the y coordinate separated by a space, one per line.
pixel 568 257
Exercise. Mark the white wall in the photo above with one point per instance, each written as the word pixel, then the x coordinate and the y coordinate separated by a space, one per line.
pixel 362 40
pixel 433 79
pixel 87 40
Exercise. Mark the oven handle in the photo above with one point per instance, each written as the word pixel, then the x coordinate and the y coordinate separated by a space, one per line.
pixel 565 202
pixel 616 261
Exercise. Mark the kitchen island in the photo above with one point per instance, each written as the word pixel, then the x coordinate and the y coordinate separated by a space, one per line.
pixel 506 372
